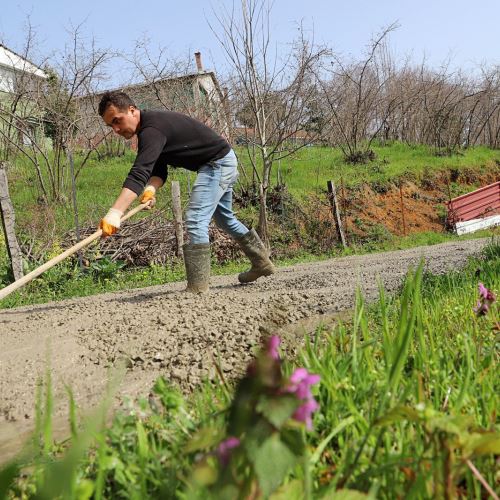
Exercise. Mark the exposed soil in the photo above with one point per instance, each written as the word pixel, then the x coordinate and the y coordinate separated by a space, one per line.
pixel 400 211
pixel 407 208
pixel 162 330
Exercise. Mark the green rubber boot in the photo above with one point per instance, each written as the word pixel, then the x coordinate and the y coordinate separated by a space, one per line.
pixel 255 250
pixel 197 262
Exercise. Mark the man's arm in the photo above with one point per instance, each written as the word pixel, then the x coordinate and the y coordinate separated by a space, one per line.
pixel 111 222
pixel 124 200
pixel 151 145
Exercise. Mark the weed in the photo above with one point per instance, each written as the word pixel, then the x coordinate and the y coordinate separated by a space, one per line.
pixel 105 268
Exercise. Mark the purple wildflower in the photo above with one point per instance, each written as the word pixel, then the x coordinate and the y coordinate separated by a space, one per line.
pixel 486 298
pixel 272 347
pixel 300 385
pixel 304 412
pixel 224 449
pixel 486 294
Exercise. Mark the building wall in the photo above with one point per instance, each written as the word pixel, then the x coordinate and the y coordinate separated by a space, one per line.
pixel 20 84
pixel 7 78
pixel 196 95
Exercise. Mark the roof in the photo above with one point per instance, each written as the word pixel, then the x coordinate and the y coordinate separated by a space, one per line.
pixel 9 59
pixel 137 86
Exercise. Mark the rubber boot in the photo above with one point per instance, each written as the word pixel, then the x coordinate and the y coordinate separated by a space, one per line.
pixel 255 250
pixel 197 262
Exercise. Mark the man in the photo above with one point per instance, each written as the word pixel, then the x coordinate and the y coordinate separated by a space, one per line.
pixel 169 138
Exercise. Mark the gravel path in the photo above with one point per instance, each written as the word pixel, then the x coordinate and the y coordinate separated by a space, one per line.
pixel 161 330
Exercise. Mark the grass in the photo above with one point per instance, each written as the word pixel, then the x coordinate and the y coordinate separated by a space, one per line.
pixel 305 172
pixel 66 281
pixel 436 362
pixel 311 167
pixel 408 397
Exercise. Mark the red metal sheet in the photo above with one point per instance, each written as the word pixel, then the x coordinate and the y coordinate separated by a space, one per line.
pixel 483 202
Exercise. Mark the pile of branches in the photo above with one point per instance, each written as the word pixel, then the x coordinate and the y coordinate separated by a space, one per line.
pixel 149 240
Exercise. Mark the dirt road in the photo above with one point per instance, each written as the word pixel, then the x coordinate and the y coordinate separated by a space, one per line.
pixel 160 330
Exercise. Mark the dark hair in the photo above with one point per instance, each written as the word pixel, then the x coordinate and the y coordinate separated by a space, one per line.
pixel 119 100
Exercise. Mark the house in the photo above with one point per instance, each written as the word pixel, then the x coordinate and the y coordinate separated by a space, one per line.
pixel 196 94
pixel 15 68
pixel 20 83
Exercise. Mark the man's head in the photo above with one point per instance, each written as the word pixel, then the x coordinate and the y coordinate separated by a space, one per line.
pixel 120 113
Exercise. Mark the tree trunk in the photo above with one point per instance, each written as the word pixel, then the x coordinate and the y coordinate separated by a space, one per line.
pixel 262 224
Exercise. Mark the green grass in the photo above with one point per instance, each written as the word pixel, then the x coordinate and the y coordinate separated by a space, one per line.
pixel 311 167
pixel 436 361
pixel 408 397
pixel 307 171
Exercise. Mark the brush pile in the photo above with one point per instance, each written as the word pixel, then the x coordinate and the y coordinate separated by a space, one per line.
pixel 149 240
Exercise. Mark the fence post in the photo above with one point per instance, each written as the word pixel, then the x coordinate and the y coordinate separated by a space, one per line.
pixel 343 206
pixel 8 224
pixel 75 206
pixel 336 212
pixel 402 208
pixel 177 211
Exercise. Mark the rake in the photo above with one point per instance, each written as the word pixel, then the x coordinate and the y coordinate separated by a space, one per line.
pixel 70 251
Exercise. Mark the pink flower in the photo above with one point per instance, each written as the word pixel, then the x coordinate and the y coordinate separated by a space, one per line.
pixel 224 449
pixel 304 412
pixel 486 298
pixel 300 385
pixel 486 294
pixel 272 347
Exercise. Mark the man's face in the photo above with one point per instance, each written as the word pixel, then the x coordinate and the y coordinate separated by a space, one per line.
pixel 123 122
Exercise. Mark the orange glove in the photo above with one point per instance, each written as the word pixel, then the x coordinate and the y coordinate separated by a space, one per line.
pixel 149 195
pixel 111 222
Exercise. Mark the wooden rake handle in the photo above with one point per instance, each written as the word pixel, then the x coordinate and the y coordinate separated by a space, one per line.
pixel 70 251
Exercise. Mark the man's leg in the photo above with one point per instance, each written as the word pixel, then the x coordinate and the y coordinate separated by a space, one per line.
pixel 224 217
pixel 249 241
pixel 204 198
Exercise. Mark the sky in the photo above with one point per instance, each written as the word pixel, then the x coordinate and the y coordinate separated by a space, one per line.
pixel 464 30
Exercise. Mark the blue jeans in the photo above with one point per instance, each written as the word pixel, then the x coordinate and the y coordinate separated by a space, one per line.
pixel 212 196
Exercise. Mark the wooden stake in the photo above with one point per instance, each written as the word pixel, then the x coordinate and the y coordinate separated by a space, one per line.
pixel 402 208
pixel 70 251
pixel 336 212
pixel 177 211
pixel 8 223
pixel 344 209
pixel 75 206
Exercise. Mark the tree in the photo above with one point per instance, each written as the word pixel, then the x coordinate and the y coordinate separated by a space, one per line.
pixel 357 98
pixel 43 113
pixel 270 90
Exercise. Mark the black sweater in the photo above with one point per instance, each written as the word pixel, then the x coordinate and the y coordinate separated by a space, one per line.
pixel 170 138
